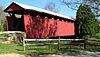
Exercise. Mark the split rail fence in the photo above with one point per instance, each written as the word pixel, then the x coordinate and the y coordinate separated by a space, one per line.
pixel 56 40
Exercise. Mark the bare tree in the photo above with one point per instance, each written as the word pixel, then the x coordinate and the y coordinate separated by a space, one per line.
pixel 2 19
pixel 51 7
pixel 1 13
pixel 94 4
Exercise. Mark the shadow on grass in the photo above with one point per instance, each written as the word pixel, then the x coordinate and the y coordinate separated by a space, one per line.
pixel 44 50
pixel 20 49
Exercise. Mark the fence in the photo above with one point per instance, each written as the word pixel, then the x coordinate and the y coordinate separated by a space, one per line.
pixel 72 42
pixel 95 43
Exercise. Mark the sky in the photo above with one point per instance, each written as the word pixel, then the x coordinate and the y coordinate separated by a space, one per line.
pixel 63 9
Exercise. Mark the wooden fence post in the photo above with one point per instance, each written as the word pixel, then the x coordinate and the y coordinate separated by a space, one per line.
pixel 85 42
pixel 23 44
pixel 58 43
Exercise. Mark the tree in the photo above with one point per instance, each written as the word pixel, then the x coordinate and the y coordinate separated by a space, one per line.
pixel 2 20
pixel 51 7
pixel 87 21
pixel 94 4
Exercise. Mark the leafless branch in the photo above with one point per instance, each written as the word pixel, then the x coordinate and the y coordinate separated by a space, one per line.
pixel 51 7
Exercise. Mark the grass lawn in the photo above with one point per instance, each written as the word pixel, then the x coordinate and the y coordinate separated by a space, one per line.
pixel 15 48
pixel 9 48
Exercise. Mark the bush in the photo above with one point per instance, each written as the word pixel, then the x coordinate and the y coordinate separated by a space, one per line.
pixel 3 25
pixel 98 35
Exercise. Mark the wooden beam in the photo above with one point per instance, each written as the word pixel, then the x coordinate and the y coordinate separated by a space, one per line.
pixel 52 39
pixel 58 43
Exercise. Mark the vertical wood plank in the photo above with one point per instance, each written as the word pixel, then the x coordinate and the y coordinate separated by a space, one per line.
pixel 58 43
pixel 24 44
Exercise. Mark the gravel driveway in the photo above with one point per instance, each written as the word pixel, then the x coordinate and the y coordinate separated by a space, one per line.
pixel 68 54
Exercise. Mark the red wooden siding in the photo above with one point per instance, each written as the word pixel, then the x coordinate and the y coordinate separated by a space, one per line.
pixel 65 28
pixel 13 7
pixel 9 23
pixel 37 27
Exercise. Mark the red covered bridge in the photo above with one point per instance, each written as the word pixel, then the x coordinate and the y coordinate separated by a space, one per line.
pixel 38 23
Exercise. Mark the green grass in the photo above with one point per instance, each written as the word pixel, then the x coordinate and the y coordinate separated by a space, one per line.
pixel 92 49
pixel 51 49
pixel 9 48
pixel 15 48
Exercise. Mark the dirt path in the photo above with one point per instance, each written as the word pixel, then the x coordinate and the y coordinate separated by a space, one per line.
pixel 71 54
pixel 13 55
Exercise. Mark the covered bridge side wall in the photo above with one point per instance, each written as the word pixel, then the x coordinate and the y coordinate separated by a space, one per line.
pixel 37 27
